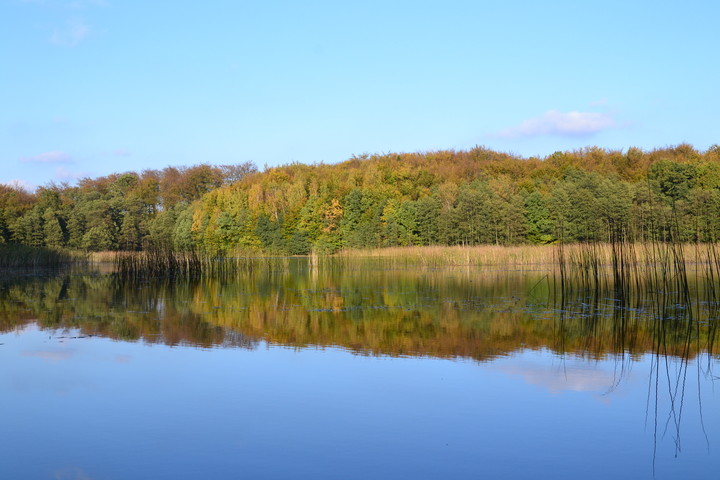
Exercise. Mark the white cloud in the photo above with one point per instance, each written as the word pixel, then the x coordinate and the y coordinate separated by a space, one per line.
pixel 553 122
pixel 121 152
pixel 48 157
pixel 71 34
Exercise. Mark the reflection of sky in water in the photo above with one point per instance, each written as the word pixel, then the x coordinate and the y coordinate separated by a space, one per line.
pixel 94 408
pixel 578 378
pixel 50 355
pixel 71 473
pixel 559 374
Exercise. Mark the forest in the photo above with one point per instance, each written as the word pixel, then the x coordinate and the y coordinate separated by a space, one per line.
pixel 471 197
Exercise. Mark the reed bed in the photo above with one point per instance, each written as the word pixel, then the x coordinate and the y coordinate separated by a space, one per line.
pixel 652 266
pixel 586 260
pixel 169 263
pixel 675 285
pixel 583 263
pixel 437 256
pixel 107 256
pixel 156 262
pixel 665 288
pixel 22 256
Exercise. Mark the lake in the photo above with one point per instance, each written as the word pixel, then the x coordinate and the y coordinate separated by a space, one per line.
pixel 295 371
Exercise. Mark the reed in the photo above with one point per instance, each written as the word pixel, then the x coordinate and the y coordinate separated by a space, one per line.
pixel 675 283
pixel 664 266
pixel 106 256
pixel 156 262
pixel 169 263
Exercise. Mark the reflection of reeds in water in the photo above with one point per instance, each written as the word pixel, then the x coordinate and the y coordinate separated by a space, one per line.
pixel 660 274
pixel 669 286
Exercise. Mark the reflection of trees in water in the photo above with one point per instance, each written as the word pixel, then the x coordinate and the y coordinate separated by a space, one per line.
pixel 100 305
pixel 678 312
pixel 451 313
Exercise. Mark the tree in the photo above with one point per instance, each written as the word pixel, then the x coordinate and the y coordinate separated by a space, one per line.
pixel 270 233
pixel 28 229
pixel 235 173
pixel 537 216
pixel 53 232
pixel 427 216
pixel 98 239
pixel 672 180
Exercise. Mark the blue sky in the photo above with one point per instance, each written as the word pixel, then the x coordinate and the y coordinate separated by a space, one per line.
pixel 91 87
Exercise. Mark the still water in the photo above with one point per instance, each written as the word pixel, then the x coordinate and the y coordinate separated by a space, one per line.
pixel 297 372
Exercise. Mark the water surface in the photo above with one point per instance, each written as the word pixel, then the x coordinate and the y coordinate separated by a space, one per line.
pixel 337 373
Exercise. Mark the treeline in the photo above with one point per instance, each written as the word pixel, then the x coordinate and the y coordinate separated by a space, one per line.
pixel 435 198
pixel 127 211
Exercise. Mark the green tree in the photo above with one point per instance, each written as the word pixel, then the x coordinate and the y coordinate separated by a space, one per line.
pixel 53 232
pixel 270 233
pixel 427 217
pixel 672 180
pixel 537 215
pixel 98 239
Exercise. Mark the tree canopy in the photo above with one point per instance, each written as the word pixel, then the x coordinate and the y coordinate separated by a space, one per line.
pixel 446 197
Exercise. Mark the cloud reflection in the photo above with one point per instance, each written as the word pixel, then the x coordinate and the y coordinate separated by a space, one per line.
pixel 563 379
pixel 122 358
pixel 50 355
pixel 71 473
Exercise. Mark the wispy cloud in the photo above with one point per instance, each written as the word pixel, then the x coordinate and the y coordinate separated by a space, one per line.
pixel 121 152
pixel 48 157
pixel 68 3
pixel 88 3
pixel 71 34
pixel 553 122
pixel 63 174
